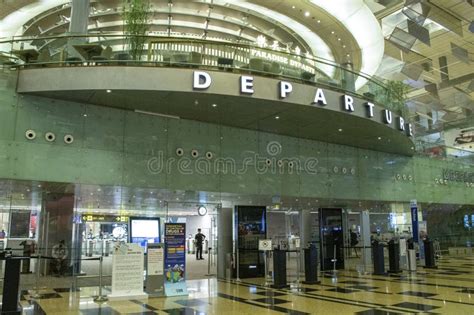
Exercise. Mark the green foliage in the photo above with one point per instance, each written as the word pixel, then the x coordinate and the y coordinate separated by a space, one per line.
pixel 396 95
pixel 392 95
pixel 136 15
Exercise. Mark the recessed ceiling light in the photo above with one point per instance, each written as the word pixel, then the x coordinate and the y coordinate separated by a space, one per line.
pixel 339 39
pixel 293 7
pixel 214 105
pixel 332 32
pixel 306 14
pixel 340 130
pixel 380 138
pixel 319 21
pixel 343 46
pixel 109 91
pixel 277 117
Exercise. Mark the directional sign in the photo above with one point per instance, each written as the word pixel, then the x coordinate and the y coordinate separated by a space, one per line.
pixel 103 218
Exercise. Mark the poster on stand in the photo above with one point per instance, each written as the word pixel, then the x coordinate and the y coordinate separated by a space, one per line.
pixel 155 271
pixel 175 259
pixel 127 272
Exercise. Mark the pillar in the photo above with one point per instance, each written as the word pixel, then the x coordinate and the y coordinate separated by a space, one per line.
pixel 78 24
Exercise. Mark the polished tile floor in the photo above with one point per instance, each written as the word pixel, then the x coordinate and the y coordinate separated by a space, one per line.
pixel 446 290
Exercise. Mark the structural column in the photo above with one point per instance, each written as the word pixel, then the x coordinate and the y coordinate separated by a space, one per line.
pixel 57 226
pixel 78 25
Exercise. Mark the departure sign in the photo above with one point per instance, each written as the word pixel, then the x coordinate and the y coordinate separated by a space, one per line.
pixel 103 218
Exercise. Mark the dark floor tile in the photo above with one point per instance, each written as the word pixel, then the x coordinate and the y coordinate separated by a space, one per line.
pixel 376 312
pixel 66 290
pixel 145 305
pixel 100 311
pixel 353 282
pixel 270 300
pixel 342 290
pixel 183 311
pixel 362 287
pixel 416 306
pixel 417 293
pixel 269 293
pixel 191 302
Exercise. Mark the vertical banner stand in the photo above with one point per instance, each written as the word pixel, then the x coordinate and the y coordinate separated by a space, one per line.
pixel 155 275
pixel 175 259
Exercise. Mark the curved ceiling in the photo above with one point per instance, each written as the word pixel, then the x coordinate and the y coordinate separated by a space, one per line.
pixel 338 32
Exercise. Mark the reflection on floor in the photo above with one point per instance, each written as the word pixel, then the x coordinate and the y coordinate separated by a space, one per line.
pixel 446 290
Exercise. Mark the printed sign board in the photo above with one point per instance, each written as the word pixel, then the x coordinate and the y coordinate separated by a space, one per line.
pixel 265 245
pixel 127 271
pixel 175 259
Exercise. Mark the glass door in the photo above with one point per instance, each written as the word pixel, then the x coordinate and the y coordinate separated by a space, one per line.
pixel 332 238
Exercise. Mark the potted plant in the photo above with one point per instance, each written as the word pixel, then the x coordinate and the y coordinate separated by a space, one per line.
pixel 136 15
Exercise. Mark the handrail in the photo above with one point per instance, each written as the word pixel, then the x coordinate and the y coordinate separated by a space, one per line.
pixel 278 62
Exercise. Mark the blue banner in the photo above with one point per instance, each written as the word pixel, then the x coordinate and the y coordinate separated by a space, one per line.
pixel 414 222
pixel 175 259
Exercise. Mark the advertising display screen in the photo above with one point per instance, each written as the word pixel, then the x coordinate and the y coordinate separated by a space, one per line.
pixel 144 231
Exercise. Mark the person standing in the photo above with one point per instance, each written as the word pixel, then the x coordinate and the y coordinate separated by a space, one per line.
pixel 199 240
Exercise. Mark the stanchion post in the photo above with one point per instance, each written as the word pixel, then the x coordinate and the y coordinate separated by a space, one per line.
pixel 209 262
pixel 100 298
pixel 334 261
pixel 36 294
pixel 265 261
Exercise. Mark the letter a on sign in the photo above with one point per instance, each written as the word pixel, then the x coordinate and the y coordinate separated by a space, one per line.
pixel 319 98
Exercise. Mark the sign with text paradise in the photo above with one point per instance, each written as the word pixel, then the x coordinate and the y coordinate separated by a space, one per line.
pixel 175 259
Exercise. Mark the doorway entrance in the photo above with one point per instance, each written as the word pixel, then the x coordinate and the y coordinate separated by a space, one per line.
pixel 203 217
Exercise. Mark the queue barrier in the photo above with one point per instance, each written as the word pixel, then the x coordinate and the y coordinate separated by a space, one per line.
pixel 11 281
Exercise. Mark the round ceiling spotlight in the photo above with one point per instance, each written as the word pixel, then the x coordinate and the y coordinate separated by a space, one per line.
pixel 50 137
pixel 30 134
pixel 194 153
pixel 179 152
pixel 209 155
pixel 68 139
